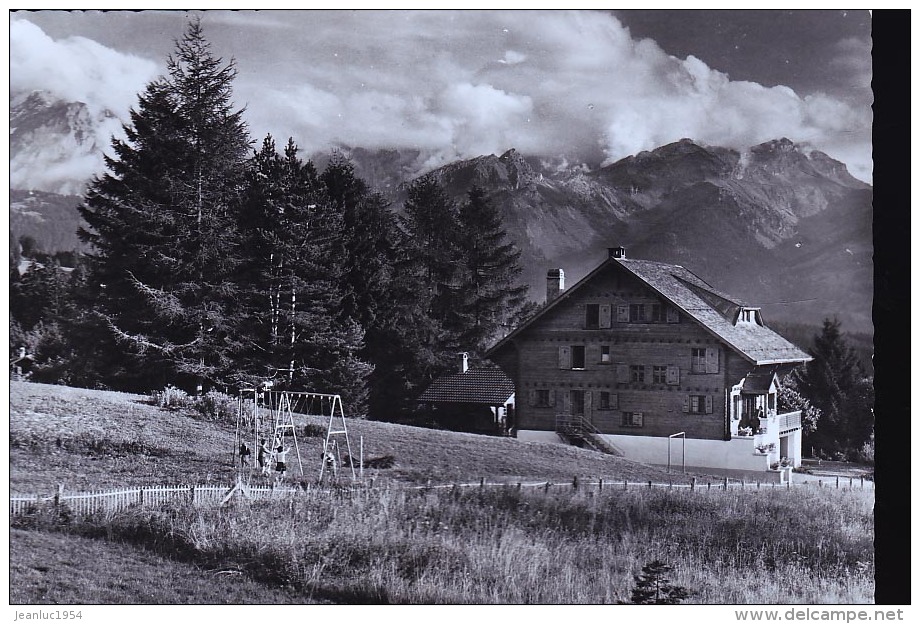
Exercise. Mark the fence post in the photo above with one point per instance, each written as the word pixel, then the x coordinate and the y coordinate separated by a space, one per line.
pixel 693 483
pixel 851 483
pixel 819 483
pixel 649 485
pixel 838 482
pixel 58 495
pixel 758 485
pixel 140 496
pixel 482 482
pixel 861 482
pixel 575 483
pixel 519 486
pixel 625 484
pixel 546 487
pixel 708 485
pixel 726 484
pixel 600 485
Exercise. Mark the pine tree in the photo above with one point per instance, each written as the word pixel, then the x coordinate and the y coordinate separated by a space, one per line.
pixel 492 298
pixel 293 280
pixel 372 295
pixel 835 383
pixel 653 586
pixel 162 223
pixel 427 285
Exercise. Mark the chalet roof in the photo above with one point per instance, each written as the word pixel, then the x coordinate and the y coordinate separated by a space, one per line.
pixel 715 311
pixel 485 386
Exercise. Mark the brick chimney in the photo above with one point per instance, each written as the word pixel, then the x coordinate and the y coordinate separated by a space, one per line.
pixel 616 252
pixel 464 362
pixel 555 283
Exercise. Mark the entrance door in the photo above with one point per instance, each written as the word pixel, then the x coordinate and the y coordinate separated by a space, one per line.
pixel 750 407
pixel 578 403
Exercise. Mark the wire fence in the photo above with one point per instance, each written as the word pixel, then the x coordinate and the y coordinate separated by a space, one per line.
pixel 110 501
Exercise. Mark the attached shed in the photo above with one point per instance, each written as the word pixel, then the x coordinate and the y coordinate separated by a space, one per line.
pixel 479 400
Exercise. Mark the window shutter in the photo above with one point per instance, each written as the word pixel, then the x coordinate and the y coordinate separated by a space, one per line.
pixel 673 315
pixel 673 375
pixel 686 408
pixel 605 316
pixel 565 357
pixel 614 401
pixel 566 402
pixel 637 419
pixel 622 314
pixel 708 404
pixel 712 360
pixel 552 398
pixel 622 373
pixel 533 398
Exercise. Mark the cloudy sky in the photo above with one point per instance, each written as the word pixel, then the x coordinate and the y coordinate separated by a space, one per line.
pixel 584 86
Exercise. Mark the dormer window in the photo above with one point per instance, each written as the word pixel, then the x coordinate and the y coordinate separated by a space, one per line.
pixel 748 315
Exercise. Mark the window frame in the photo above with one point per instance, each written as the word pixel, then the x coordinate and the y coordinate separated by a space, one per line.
pixel 595 316
pixel 698 360
pixel 659 374
pixel 541 398
pixel 700 404
pixel 639 316
pixel 636 373
pixel 576 349
pixel 628 419
pixel 605 354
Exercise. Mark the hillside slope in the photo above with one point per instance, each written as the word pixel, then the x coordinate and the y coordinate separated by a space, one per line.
pixel 89 439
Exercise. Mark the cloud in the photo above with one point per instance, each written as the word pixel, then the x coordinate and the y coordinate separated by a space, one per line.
pixel 564 85
pixel 76 69
pixel 73 70
pixel 555 84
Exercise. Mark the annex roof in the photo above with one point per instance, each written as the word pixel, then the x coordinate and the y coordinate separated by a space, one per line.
pixel 758 382
pixel 485 386
pixel 715 311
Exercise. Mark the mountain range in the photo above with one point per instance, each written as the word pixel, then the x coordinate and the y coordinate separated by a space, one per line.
pixel 778 225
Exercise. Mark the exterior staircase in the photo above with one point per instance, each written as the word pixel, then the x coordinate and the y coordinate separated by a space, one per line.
pixel 576 430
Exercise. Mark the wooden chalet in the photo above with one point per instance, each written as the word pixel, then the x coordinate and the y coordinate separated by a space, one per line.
pixel 479 400
pixel 652 362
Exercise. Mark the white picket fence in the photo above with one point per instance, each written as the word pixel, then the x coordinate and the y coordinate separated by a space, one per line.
pixel 87 503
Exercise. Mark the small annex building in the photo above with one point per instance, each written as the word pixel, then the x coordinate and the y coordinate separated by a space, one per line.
pixel 644 354
pixel 479 400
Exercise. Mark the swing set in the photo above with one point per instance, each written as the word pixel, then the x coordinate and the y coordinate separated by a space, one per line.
pixel 266 416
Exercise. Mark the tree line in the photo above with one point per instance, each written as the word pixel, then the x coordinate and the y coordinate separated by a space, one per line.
pixel 216 265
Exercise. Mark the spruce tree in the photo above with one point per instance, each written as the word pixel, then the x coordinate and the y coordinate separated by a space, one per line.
pixel 428 286
pixel 835 383
pixel 372 295
pixel 491 295
pixel 162 224
pixel 293 280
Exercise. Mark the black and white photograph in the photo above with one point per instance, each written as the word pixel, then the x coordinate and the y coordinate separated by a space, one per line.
pixel 442 307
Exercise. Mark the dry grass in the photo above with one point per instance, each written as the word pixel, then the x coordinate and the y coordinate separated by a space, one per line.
pixel 509 546
pixel 56 568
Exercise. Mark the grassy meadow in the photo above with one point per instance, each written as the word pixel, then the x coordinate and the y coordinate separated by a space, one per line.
pixel 393 544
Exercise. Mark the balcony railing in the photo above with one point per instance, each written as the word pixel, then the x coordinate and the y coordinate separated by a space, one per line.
pixel 789 420
pixel 773 423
